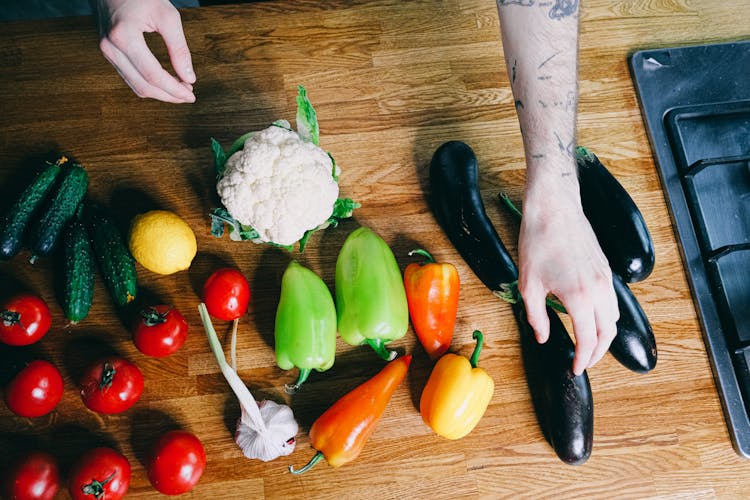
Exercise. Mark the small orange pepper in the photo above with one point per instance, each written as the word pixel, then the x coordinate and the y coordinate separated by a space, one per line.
pixel 432 293
pixel 341 432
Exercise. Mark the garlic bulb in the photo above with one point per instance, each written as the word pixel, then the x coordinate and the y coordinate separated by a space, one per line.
pixel 275 441
pixel 265 431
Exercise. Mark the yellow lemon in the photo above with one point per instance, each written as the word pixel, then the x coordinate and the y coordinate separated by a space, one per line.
pixel 162 242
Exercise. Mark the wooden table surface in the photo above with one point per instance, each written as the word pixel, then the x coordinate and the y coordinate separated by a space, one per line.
pixel 391 81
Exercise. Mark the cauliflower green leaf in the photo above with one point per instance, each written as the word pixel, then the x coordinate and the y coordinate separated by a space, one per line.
pixel 307 119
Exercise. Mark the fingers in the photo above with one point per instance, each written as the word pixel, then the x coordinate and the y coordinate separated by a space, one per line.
pixel 179 53
pixel 536 311
pixel 150 70
pixel 132 76
pixel 584 326
pixel 594 324
pixel 125 48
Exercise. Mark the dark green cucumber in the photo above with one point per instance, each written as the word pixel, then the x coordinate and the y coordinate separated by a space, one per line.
pixel 45 233
pixel 78 266
pixel 14 223
pixel 116 264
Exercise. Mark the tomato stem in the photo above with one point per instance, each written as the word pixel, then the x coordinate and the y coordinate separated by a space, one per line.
pixel 152 317
pixel 314 460
pixel 477 335
pixel 108 376
pixel 379 347
pixel 11 318
pixel 96 488
pixel 429 259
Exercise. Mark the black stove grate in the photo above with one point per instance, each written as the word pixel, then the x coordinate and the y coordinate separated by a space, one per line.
pixel 696 107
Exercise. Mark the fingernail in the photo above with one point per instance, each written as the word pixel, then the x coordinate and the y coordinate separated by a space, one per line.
pixel 190 74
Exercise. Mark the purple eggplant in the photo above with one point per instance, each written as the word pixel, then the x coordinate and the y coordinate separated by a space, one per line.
pixel 616 220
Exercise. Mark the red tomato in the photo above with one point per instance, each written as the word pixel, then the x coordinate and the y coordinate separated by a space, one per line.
pixel 159 331
pixel 226 294
pixel 176 462
pixel 34 476
pixel 101 473
pixel 111 385
pixel 25 319
pixel 36 390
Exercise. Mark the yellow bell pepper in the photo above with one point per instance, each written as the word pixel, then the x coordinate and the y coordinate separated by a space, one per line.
pixel 457 394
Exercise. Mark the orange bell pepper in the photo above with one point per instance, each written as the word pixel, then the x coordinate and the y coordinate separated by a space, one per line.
pixel 432 292
pixel 341 432
pixel 457 394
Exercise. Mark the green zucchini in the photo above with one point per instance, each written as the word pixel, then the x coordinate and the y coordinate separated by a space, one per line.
pixel 45 233
pixel 78 266
pixel 116 264
pixel 16 220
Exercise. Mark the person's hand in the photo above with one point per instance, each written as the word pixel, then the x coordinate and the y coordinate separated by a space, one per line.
pixel 122 24
pixel 559 254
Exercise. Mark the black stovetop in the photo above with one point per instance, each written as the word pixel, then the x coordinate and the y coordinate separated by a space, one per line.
pixel 696 107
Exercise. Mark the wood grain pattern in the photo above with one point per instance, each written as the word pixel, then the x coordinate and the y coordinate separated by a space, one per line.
pixel 391 81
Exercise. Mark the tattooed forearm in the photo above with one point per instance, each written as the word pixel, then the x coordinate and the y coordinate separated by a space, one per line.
pixel 513 72
pixel 519 104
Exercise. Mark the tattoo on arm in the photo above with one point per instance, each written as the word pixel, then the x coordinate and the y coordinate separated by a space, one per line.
pixel 513 72
pixel 565 148
pixel 522 3
pixel 563 9
pixel 549 59
pixel 559 9
pixel 519 104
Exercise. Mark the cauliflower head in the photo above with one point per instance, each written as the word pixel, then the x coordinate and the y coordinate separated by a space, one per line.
pixel 280 185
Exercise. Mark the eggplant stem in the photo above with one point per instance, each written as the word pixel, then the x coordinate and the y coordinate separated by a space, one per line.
pixel 379 347
pixel 510 206
pixel 314 460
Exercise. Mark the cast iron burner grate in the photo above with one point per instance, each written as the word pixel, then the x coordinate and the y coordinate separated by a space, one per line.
pixel 696 106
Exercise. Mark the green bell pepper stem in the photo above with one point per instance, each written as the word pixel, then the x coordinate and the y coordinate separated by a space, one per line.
pixel 314 460
pixel 477 335
pixel 303 374
pixel 379 347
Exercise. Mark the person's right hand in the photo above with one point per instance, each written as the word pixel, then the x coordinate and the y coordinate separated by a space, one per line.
pixel 559 254
pixel 122 24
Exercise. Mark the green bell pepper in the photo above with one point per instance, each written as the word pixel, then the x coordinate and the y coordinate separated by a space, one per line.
pixel 305 329
pixel 370 298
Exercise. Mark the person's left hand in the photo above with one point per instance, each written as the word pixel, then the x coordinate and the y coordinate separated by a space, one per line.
pixel 122 24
